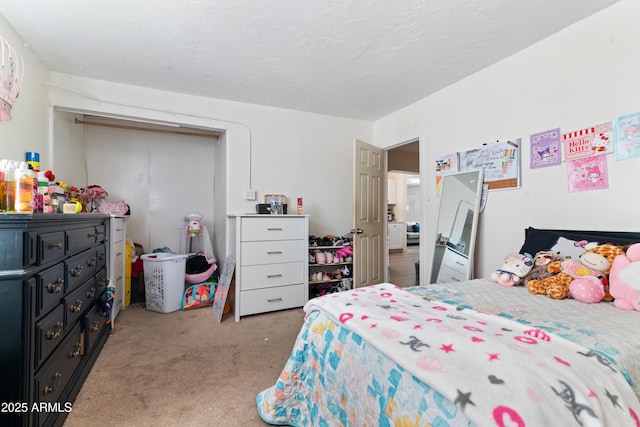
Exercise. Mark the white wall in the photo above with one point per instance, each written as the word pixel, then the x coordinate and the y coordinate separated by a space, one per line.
pixel 582 76
pixel 28 130
pixel 268 149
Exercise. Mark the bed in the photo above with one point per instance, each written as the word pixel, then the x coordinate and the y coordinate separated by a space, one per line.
pixel 460 354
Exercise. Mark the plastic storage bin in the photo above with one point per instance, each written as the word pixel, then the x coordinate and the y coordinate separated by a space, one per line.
pixel 164 281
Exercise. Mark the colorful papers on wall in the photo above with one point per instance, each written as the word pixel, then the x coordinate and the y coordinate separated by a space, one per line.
pixel 627 136
pixel 592 141
pixel 545 148
pixel 447 164
pixel 589 173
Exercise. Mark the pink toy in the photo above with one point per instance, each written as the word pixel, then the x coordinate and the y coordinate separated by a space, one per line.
pixel 591 275
pixel 346 253
pixel 624 279
pixel 514 268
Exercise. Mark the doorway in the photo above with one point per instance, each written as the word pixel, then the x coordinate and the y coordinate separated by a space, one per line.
pixel 404 213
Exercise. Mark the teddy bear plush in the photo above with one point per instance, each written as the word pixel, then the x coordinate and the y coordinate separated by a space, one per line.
pixel 624 279
pixel 540 262
pixel 594 262
pixel 513 269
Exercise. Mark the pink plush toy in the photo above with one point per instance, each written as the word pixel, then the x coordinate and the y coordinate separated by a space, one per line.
pixel 624 279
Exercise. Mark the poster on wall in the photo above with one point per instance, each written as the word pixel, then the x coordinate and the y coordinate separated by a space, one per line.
pixel 447 164
pixel 545 148
pixel 444 166
pixel 587 174
pixel 593 141
pixel 626 136
pixel 500 162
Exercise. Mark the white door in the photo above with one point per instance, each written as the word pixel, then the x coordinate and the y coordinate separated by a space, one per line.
pixel 369 212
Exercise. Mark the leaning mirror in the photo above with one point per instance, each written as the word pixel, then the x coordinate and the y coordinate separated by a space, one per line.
pixel 456 227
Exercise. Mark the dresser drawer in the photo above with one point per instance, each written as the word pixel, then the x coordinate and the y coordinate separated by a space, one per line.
pixel 94 323
pixel 49 288
pixel 266 276
pixel 118 230
pixel 447 274
pixel 81 238
pixel 276 228
pixel 270 299
pixel 101 256
pixel 49 333
pixel 79 268
pixel 50 382
pixel 101 281
pixel 267 252
pixel 455 261
pixel 51 246
pixel 78 301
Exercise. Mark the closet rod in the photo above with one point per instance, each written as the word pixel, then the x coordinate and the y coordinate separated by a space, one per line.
pixel 174 132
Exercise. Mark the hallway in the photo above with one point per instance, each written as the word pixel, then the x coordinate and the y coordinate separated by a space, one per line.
pixel 402 266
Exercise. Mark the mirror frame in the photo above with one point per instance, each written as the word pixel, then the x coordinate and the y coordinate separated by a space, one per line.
pixel 441 242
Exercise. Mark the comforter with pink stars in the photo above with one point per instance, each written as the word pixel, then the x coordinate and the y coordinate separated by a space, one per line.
pixel 383 356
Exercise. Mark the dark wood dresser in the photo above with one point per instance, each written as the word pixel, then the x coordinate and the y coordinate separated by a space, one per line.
pixel 53 282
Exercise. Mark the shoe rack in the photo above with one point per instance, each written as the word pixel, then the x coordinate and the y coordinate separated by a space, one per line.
pixel 330 268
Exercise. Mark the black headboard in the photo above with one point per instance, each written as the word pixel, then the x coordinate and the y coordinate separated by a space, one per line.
pixel 543 239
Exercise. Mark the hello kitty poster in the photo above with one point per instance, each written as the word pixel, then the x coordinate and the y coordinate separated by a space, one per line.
pixel 586 174
pixel 592 141
pixel 545 148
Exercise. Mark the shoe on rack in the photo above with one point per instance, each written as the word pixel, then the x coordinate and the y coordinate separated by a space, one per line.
pixel 320 257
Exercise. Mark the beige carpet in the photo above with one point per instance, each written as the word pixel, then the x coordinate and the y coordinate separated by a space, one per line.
pixel 185 369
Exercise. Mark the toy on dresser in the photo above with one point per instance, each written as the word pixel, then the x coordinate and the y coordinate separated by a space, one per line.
pixel 513 269
pixel 624 279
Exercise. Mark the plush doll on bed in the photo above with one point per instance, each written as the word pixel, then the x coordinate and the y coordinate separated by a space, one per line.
pixel 514 268
pixel 624 279
pixel 540 262
pixel 595 264
pixel 599 258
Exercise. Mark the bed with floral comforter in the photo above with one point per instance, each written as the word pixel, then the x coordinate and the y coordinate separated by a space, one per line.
pixel 465 354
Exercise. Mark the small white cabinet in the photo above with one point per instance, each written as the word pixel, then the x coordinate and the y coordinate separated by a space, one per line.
pixel 392 191
pixel 396 232
pixel 271 262
pixel 454 267
pixel 116 254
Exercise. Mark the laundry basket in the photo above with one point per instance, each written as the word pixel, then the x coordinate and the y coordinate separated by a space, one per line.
pixel 164 281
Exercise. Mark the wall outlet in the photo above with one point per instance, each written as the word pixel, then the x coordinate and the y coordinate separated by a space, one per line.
pixel 250 194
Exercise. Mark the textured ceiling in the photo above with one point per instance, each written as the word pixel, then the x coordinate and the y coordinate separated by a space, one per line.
pixel 347 58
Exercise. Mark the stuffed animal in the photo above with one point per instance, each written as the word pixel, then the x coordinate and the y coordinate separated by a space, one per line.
pixel 599 258
pixel 514 268
pixel 540 262
pixel 557 286
pixel 624 279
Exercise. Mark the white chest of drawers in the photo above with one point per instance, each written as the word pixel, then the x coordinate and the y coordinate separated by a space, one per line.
pixel 271 262
pixel 116 256
pixel 454 268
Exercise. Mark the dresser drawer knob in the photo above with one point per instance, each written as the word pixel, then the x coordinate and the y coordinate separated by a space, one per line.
pixel 274 252
pixel 91 293
pixel 55 287
pixel 273 276
pixel 274 228
pixel 94 326
pixel 76 351
pixel 51 388
pixel 76 272
pixel 102 283
pixel 274 299
pixel 76 307
pixel 55 245
pixel 55 333
pixel 102 257
pixel 92 262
